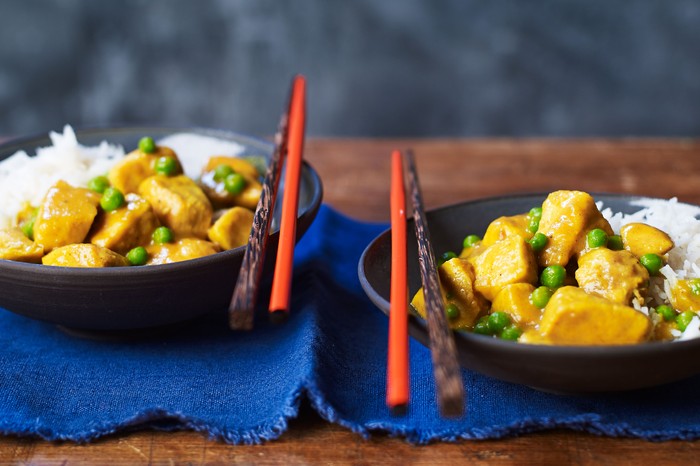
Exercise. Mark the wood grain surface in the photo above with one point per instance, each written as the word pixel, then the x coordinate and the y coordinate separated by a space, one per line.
pixel 446 370
pixel 245 293
pixel 356 181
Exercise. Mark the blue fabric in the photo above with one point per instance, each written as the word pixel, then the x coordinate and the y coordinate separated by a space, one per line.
pixel 243 388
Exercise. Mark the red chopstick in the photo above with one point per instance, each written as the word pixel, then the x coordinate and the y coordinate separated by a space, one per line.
pixel 282 280
pixel 245 294
pixel 397 379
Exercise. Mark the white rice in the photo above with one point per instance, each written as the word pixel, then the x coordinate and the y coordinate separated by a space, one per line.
pixel 26 179
pixel 681 223
pixel 692 330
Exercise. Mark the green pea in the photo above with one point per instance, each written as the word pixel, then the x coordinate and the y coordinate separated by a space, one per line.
pixel 166 166
pixel 615 242
pixel 446 256
pixel 511 333
pixel 482 326
pixel 535 215
pixel 452 311
pixel 553 276
pixel 667 312
pixel 538 241
pixel 162 235
pixel 137 256
pixel 98 184
pixel 535 212
pixel 694 285
pixel 112 199
pixel 497 321
pixel 652 262
pixel 234 183
pixel 147 145
pixel 470 241
pixel 28 228
pixel 222 171
pixel 683 319
pixel 534 225
pixel 540 296
pixel 596 238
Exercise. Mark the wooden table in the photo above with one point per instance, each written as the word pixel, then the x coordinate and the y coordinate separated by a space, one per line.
pixel 356 173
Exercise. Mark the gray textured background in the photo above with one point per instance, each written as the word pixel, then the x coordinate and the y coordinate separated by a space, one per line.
pixel 374 67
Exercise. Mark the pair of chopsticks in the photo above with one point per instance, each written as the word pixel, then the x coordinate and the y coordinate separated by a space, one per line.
pixel 289 147
pixel 450 388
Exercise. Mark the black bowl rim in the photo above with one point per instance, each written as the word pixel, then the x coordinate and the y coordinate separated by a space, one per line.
pixel 144 272
pixel 562 350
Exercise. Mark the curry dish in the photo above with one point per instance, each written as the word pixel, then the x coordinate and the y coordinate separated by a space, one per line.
pixel 145 211
pixel 560 275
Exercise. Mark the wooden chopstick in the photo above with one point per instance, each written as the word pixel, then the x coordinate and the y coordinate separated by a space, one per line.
pixel 446 371
pixel 282 280
pixel 397 379
pixel 245 294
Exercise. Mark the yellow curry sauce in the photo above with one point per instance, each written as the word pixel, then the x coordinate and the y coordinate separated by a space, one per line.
pixel 154 214
pixel 560 275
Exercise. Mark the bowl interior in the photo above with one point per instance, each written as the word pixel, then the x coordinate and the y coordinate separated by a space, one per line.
pixel 128 298
pixel 570 369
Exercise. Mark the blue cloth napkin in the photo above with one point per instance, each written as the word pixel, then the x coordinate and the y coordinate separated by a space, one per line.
pixel 243 388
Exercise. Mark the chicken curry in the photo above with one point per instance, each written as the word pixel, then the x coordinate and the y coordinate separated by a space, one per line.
pixel 560 275
pixel 145 211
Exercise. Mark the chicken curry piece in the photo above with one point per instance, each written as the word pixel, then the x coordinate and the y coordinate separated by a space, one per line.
pixel 179 204
pixel 559 275
pixel 15 246
pixel 574 317
pixel 180 250
pixel 84 255
pixel 65 216
pixel 124 229
pixel 143 212
pixel 127 174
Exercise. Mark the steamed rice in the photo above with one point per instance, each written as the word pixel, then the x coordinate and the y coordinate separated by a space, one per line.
pixel 26 179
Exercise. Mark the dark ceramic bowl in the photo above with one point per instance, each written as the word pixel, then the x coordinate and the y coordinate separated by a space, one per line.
pixel 130 298
pixel 566 369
